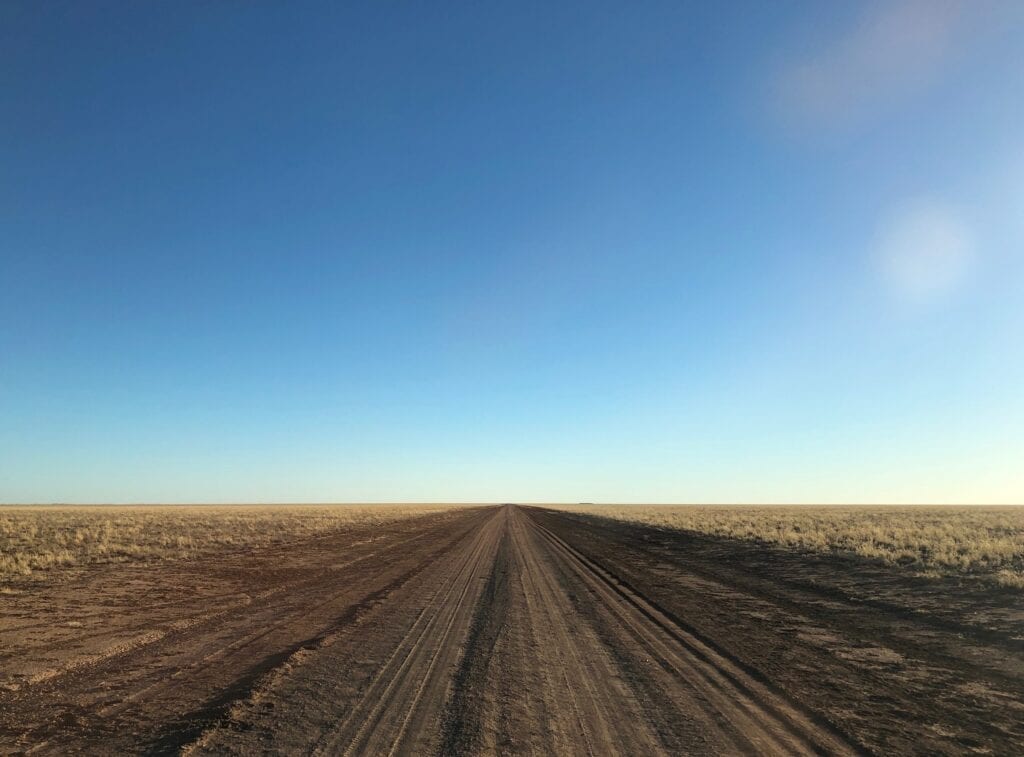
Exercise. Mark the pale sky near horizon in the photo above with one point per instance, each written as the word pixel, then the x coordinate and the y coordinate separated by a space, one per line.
pixel 658 252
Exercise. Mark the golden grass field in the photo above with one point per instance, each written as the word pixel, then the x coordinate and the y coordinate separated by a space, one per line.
pixel 36 541
pixel 984 542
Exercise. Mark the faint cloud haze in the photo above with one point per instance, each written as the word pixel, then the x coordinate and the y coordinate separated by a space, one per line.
pixel 1012 202
pixel 925 251
pixel 880 57
pixel 893 49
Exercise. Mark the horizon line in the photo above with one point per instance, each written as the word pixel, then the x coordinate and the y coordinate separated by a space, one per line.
pixel 497 503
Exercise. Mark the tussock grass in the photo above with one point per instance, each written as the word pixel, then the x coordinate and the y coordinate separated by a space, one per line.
pixel 983 542
pixel 38 542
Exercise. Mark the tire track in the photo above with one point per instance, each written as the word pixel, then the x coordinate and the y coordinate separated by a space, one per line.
pixel 606 721
pixel 381 720
pixel 158 696
pixel 489 632
pixel 462 723
pixel 756 717
pixel 190 623
pixel 310 602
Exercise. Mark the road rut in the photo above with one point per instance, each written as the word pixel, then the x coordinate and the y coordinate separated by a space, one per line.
pixel 491 630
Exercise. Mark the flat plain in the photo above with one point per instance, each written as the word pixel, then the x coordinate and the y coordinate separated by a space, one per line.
pixel 511 630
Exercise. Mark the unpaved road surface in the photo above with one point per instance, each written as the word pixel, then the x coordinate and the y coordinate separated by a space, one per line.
pixel 510 630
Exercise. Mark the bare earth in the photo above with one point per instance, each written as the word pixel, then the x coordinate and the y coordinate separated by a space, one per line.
pixel 511 630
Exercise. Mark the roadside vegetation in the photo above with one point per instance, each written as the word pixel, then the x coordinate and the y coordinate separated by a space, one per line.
pixel 982 542
pixel 38 542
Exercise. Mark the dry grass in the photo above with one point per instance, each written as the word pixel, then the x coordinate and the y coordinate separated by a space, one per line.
pixel 985 542
pixel 36 542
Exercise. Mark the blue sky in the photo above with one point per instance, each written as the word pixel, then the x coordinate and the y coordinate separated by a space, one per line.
pixel 658 252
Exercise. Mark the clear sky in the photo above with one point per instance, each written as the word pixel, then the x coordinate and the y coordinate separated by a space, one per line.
pixel 654 252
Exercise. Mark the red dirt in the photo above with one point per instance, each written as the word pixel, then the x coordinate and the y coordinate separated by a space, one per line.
pixel 512 631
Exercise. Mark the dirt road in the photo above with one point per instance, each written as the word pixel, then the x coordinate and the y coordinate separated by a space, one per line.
pixel 508 630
